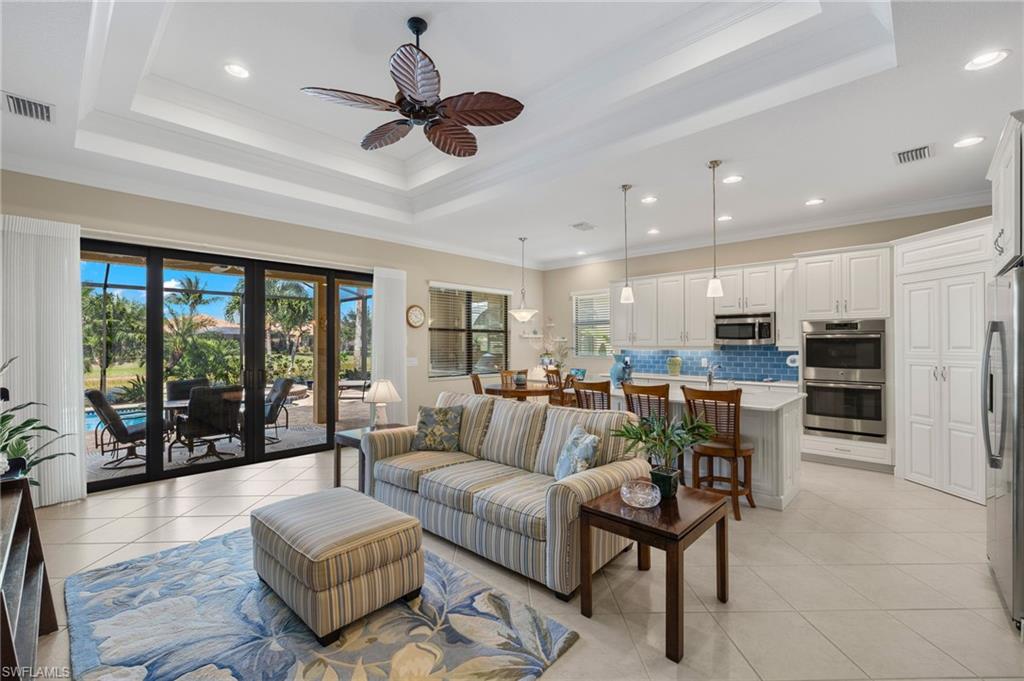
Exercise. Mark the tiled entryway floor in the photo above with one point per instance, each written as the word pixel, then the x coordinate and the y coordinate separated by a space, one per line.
pixel 864 576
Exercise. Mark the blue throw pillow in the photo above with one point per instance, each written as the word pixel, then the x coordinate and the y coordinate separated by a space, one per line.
pixel 577 454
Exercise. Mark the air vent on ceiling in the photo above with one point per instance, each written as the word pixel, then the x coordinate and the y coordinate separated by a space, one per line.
pixel 583 226
pixel 21 106
pixel 915 154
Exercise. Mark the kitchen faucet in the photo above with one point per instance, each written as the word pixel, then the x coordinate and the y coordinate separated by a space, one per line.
pixel 711 375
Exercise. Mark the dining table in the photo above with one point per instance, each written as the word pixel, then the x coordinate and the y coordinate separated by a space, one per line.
pixel 521 392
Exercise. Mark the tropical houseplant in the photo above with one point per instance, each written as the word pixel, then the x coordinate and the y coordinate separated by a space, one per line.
pixel 664 440
pixel 19 437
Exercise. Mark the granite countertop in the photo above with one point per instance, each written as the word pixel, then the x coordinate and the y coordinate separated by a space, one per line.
pixel 760 401
pixel 701 379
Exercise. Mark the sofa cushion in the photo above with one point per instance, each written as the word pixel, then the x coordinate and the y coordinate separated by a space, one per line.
pixel 517 504
pixel 559 424
pixel 514 433
pixel 405 470
pixel 333 536
pixel 578 453
pixel 476 414
pixel 455 486
pixel 437 429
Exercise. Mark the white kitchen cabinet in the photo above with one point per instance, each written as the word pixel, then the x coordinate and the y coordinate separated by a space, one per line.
pixel 847 285
pixel 645 311
pixel 621 317
pixel 699 311
pixel 787 322
pixel 866 284
pixel 759 289
pixel 670 310
pixel 731 301
pixel 1005 174
pixel 818 286
pixel 939 326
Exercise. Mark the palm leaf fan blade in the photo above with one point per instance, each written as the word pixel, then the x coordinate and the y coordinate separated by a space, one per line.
pixel 386 134
pixel 451 138
pixel 479 108
pixel 415 75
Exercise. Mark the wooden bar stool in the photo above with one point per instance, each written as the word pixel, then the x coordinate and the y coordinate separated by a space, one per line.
pixel 593 394
pixel 646 400
pixel 721 408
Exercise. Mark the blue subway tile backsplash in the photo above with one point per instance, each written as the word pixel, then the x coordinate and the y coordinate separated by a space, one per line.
pixel 738 362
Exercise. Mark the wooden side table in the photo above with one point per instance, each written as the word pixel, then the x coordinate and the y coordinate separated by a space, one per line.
pixel 671 526
pixel 354 438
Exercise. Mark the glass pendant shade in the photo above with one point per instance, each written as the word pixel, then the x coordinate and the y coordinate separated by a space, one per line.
pixel 715 288
pixel 522 313
pixel 626 298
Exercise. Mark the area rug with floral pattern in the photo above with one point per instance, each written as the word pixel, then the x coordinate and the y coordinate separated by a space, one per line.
pixel 200 613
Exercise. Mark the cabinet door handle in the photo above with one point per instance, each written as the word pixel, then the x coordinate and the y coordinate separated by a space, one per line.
pixel 935 373
pixel 837 306
pixel 997 245
pixel 739 303
pixel 846 304
pixel 944 373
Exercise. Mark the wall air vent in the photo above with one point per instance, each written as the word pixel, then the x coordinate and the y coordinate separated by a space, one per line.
pixel 915 154
pixel 28 108
pixel 583 226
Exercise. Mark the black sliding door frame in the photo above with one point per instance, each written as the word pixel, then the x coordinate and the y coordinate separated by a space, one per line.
pixel 253 379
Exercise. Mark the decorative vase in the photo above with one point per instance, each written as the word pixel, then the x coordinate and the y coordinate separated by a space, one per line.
pixel 519 380
pixel 667 481
pixel 618 372
pixel 674 364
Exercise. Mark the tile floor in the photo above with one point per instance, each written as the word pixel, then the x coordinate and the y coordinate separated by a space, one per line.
pixel 864 576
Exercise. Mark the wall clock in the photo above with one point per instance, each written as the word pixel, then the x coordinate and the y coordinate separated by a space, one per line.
pixel 415 316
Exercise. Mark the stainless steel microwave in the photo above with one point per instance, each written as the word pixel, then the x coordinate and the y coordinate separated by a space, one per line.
pixel 745 329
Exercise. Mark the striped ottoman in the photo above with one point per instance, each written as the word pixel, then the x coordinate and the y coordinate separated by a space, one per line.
pixel 336 555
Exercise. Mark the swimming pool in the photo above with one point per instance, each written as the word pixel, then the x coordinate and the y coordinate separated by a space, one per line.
pixel 129 416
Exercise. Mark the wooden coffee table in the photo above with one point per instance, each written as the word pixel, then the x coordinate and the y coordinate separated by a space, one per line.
pixel 671 526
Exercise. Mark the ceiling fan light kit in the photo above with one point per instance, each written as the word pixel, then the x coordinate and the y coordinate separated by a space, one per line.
pixel 418 100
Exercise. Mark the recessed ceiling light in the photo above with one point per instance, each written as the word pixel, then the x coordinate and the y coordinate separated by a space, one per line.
pixel 986 59
pixel 968 142
pixel 732 179
pixel 581 252
pixel 650 198
pixel 236 70
pixel 814 202
pixel 654 230
pixel 724 218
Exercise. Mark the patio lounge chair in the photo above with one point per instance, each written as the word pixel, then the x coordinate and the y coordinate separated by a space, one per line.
pixel 274 406
pixel 213 414
pixel 114 436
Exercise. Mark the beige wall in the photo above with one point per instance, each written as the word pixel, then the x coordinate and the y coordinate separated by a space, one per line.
pixel 561 283
pixel 132 218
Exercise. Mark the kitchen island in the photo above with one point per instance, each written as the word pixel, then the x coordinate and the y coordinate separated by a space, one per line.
pixel 771 419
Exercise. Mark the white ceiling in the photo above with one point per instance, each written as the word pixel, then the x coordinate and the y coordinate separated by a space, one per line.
pixel 802 99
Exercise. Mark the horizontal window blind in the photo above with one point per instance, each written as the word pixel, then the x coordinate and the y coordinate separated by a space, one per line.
pixel 591 324
pixel 468 332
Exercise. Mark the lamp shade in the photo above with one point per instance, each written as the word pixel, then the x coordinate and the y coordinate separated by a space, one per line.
pixel 382 392
pixel 715 288
pixel 626 297
pixel 523 314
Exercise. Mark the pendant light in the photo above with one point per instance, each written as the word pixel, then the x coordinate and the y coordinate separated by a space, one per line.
pixel 626 297
pixel 523 314
pixel 714 284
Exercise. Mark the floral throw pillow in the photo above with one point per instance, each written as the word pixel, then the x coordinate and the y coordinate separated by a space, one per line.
pixel 437 429
pixel 577 453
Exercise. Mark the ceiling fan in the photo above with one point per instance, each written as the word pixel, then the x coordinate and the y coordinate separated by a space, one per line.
pixel 444 121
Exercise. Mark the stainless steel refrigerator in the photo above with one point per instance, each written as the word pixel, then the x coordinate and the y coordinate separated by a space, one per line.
pixel 1002 389
pixel 1004 436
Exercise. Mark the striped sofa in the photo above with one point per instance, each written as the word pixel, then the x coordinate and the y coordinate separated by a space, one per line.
pixel 498 496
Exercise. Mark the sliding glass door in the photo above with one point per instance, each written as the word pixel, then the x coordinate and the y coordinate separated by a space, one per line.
pixel 194 362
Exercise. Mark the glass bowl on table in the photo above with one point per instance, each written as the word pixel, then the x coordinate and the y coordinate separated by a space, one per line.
pixel 640 493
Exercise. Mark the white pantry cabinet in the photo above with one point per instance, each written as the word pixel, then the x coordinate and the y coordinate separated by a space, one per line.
pixel 940 317
pixel 846 285
pixel 670 310
pixel 699 326
pixel 787 321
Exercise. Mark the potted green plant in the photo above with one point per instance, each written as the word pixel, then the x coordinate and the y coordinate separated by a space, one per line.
pixel 20 455
pixel 664 441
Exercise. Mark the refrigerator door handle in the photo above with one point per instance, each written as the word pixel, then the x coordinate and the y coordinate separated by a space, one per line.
pixel 995 458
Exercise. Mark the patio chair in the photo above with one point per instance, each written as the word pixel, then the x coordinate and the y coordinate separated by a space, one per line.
pixel 213 415
pixel 273 407
pixel 113 435
pixel 182 389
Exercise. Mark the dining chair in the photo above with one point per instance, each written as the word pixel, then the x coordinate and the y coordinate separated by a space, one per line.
pixel 562 397
pixel 508 376
pixel 593 394
pixel 181 389
pixel 647 400
pixel 721 408
pixel 478 387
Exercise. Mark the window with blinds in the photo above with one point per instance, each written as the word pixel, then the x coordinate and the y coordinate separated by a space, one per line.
pixel 468 332
pixel 591 324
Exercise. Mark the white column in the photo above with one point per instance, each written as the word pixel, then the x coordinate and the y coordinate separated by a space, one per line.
pixel 389 338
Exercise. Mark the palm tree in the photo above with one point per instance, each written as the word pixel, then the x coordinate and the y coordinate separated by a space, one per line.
pixel 182 326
